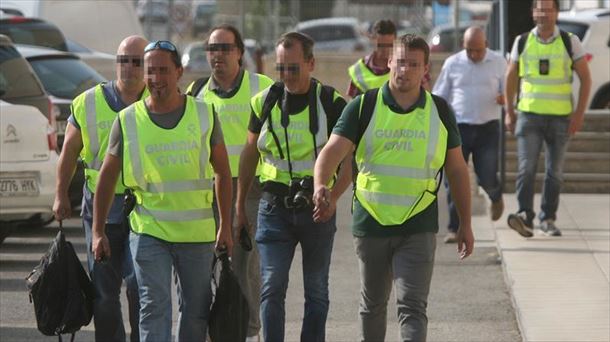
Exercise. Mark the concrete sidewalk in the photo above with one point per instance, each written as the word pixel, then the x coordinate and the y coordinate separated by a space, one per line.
pixel 560 286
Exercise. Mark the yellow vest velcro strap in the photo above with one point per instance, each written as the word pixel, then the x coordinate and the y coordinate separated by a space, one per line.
pixel 176 216
pixel 388 199
pixel 558 97
pixel 396 171
pixel 179 186
pixel 297 165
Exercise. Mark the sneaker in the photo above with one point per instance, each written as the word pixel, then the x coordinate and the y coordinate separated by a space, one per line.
pixel 451 237
pixel 496 209
pixel 519 223
pixel 548 228
pixel 252 339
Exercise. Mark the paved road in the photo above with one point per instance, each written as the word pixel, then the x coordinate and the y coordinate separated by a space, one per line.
pixel 468 301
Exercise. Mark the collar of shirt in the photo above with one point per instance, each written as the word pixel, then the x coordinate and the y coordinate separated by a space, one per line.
pixel 551 38
pixel 389 100
pixel 215 87
pixel 368 61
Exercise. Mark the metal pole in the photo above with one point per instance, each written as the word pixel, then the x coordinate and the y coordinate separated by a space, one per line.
pixel 242 19
pixel 170 20
pixel 503 47
pixel 456 23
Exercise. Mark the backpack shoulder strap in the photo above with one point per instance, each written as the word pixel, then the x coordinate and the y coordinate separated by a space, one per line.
pixel 369 98
pixel 327 96
pixel 197 86
pixel 522 40
pixel 275 94
pixel 567 41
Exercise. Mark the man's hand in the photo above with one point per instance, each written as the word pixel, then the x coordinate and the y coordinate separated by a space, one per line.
pixel 576 121
pixel 62 207
pixel 465 241
pixel 100 246
pixel 500 99
pixel 510 120
pixel 324 205
pixel 224 240
pixel 241 220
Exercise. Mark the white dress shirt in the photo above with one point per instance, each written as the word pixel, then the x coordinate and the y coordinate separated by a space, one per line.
pixel 472 88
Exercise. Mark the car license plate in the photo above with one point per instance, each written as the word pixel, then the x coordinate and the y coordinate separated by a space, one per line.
pixel 14 187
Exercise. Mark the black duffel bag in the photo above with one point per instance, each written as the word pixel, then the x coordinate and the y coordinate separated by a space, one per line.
pixel 229 314
pixel 61 290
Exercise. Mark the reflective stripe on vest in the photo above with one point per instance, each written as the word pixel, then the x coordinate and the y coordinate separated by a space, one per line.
pixel 549 93
pixel 364 79
pixel 302 156
pixel 175 210
pixel 398 159
pixel 234 114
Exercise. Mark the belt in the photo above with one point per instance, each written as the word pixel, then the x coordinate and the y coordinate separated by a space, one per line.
pixel 283 201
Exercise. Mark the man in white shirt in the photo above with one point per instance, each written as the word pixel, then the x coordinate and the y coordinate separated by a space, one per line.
pixel 472 82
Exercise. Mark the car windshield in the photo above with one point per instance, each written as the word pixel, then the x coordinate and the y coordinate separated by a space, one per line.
pixel 35 33
pixel 16 79
pixel 65 77
pixel 575 28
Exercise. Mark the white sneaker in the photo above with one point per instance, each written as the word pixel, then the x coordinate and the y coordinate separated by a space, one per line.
pixel 254 338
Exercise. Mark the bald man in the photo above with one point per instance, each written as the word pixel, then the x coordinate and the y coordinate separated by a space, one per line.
pixel 472 81
pixel 93 113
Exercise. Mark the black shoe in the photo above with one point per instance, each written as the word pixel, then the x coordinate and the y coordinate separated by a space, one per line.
pixel 519 223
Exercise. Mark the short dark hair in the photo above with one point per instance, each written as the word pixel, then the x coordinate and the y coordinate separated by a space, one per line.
pixel 239 42
pixel 556 2
pixel 413 42
pixel 383 27
pixel 288 39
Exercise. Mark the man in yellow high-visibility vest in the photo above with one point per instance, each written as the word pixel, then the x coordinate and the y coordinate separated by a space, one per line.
pixel 543 62
pixel 403 138
pixel 230 89
pixel 87 134
pixel 164 145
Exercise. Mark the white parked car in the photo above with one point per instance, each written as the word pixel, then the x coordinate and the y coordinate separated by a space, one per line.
pixel 593 29
pixel 28 161
pixel 335 34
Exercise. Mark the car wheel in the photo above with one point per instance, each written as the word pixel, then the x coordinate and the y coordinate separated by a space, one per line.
pixel 602 98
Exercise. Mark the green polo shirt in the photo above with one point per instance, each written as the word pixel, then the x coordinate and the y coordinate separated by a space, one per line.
pixel 364 225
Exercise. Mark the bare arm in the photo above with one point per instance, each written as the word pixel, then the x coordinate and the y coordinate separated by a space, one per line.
pixel 223 186
pixel 337 150
pixel 73 144
pixel 247 169
pixel 581 67
pixel 459 182
pixel 104 195
pixel 510 91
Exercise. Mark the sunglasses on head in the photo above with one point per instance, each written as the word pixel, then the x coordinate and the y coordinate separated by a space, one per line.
pixel 222 47
pixel 161 45
pixel 291 68
pixel 127 59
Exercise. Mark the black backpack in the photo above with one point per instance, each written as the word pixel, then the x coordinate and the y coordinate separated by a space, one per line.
pixel 229 314
pixel 61 290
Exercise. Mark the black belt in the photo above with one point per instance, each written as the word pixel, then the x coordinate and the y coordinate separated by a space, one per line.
pixel 283 201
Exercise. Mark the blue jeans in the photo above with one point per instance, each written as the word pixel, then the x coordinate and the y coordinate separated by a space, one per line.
pixel 107 278
pixel 279 231
pixel 192 262
pixel 532 131
pixel 480 141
